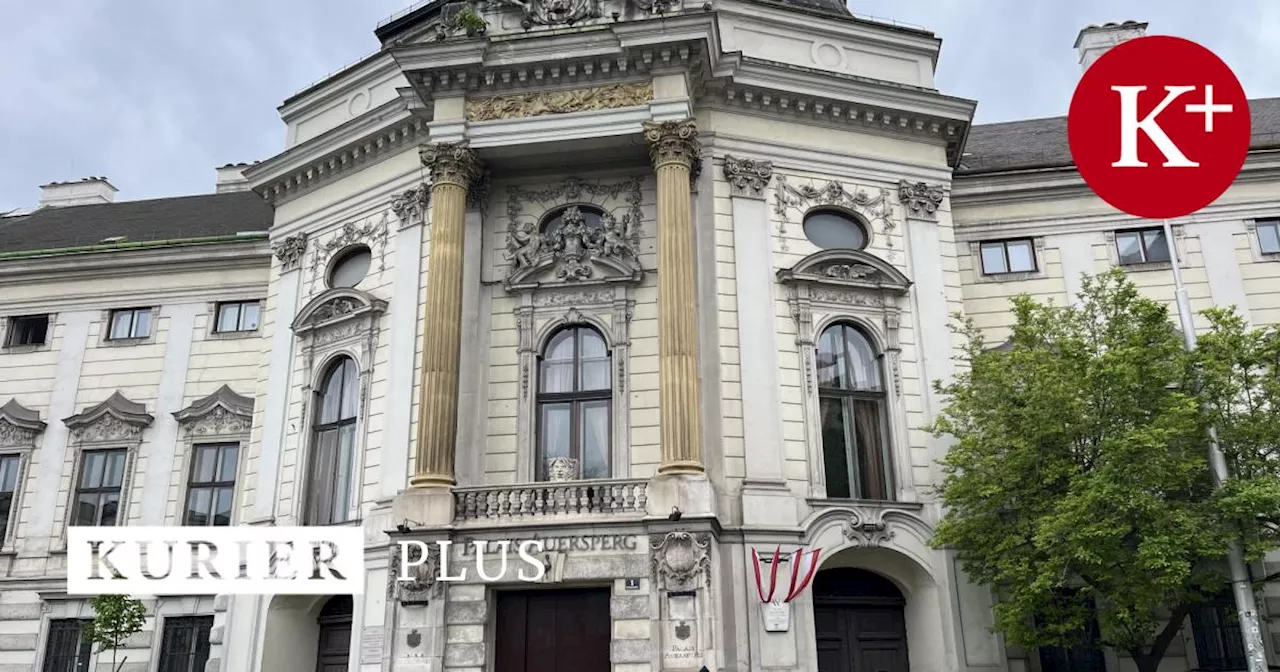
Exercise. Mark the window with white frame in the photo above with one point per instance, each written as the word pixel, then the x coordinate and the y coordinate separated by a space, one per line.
pixel 1007 256
pixel 211 485
pixel 1139 246
pixel 97 499
pixel 129 323
pixel 331 477
pixel 10 465
pixel 237 317
pixel 852 400
pixel 1268 235
pixel 575 396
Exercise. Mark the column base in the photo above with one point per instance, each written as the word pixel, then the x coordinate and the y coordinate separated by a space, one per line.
pixel 691 493
pixel 423 507
pixel 768 504
pixel 681 467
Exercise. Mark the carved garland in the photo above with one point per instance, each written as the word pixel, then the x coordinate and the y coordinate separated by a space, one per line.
pixel 539 103
pixel 874 208
pixel 371 233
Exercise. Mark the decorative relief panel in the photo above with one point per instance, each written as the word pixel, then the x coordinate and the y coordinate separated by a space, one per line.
pixel 425 585
pixel 874 207
pixel 920 198
pixel 290 250
pixel 747 177
pixel 19 426
pixel 410 205
pixel 540 103
pixel 116 419
pixel 681 560
pixel 373 232
pixel 574 253
pixel 554 12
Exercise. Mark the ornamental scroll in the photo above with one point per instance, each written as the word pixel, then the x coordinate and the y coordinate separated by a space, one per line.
pixel 540 103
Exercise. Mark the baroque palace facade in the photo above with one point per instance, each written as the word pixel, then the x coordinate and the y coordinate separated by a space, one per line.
pixel 657 282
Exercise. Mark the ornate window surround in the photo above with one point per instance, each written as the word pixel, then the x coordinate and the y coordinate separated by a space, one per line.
pixel 603 299
pixel 607 309
pixel 875 211
pixel 114 423
pixel 19 427
pixel 339 322
pixel 331 245
pixel 221 417
pixel 856 287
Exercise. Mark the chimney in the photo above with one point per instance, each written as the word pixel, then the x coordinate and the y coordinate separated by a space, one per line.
pixel 231 178
pixel 86 191
pixel 1094 41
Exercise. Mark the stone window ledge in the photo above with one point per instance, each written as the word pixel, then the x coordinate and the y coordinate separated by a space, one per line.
pixel 1148 266
pixel 1016 276
pixel 234 335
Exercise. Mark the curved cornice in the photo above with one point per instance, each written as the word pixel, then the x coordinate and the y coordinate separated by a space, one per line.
pixel 21 417
pixel 335 306
pixel 225 398
pixel 117 406
pixel 846 268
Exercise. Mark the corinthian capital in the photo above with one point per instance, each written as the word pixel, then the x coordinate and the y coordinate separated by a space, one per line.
pixel 673 142
pixel 747 177
pixel 450 162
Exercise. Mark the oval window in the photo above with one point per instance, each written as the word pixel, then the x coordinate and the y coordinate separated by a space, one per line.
pixel 832 229
pixel 350 268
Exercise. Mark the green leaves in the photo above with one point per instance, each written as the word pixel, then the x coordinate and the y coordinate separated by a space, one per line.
pixel 116 617
pixel 1079 479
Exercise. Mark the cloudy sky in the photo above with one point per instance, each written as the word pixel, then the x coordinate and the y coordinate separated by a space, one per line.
pixel 155 93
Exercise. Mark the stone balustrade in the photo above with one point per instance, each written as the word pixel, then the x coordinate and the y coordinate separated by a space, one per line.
pixel 530 501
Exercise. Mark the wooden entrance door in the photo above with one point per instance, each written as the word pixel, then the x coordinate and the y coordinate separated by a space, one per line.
pixel 858 622
pixel 334 646
pixel 552 631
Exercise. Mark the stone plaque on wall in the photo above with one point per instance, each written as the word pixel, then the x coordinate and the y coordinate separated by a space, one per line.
pixel 371 646
pixel 680 646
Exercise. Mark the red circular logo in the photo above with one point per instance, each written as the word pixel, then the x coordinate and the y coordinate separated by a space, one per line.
pixel 1159 127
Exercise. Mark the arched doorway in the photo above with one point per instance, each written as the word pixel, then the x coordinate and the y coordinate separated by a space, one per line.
pixel 859 622
pixel 334 643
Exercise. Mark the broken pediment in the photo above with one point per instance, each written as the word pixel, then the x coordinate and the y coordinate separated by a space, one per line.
pixel 19 425
pixel 336 306
pixel 223 412
pixel 847 268
pixel 117 418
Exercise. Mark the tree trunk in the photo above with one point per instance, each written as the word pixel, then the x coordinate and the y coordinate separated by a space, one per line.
pixel 1149 660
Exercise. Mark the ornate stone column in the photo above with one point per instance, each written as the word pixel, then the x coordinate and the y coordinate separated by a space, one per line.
pixel 453 168
pixel 673 146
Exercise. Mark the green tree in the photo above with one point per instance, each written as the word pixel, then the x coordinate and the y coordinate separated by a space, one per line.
pixel 115 618
pixel 1079 482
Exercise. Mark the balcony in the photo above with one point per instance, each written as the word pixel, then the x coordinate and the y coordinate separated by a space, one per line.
pixel 550 502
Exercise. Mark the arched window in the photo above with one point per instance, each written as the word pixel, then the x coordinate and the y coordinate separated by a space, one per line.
pixel 851 395
pixel 331 479
pixel 574 404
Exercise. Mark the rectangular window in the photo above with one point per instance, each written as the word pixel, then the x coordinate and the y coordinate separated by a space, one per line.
pixel 185 646
pixel 98 490
pixel 1141 246
pixel 130 323
pixel 27 330
pixel 8 489
pixel 1268 236
pixel 1216 630
pixel 67 650
pixel 237 316
pixel 212 483
pixel 1008 256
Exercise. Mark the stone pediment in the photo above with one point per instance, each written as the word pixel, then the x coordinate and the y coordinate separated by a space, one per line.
pixel 223 412
pixel 19 425
pixel 336 306
pixel 854 269
pixel 117 418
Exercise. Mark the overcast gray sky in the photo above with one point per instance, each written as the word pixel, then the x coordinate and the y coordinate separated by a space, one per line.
pixel 154 94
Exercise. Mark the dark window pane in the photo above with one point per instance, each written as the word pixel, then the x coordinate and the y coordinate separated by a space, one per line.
pixel 206 464
pixel 350 390
pixel 28 330
pixel 831 364
pixel 835 448
pixel 222 507
pixel 114 469
pixel 351 269
pixel 1022 258
pixel 993 258
pixel 1129 247
pixel 110 507
pixel 834 230
pixel 227 467
pixel 1269 237
pixel 198 506
pixel 1157 246
pixel 185 644
pixel 91 471
pixel 66 649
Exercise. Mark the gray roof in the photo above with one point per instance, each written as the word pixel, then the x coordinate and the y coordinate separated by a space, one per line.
pixel 1042 143
pixel 183 217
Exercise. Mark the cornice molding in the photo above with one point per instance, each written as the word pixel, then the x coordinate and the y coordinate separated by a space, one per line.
pixel 334 306
pixel 115 418
pixel 19 425
pixel 249 253
pixel 222 413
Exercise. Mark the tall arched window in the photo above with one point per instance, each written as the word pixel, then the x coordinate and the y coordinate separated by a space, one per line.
pixel 331 479
pixel 851 394
pixel 574 404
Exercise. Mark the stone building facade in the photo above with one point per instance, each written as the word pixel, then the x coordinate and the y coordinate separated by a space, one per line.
pixel 661 284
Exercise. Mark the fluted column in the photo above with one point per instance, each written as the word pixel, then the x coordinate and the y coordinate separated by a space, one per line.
pixel 673 146
pixel 453 169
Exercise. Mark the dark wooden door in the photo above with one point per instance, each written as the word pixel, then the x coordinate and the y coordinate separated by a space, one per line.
pixel 334 645
pixel 552 631
pixel 859 623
